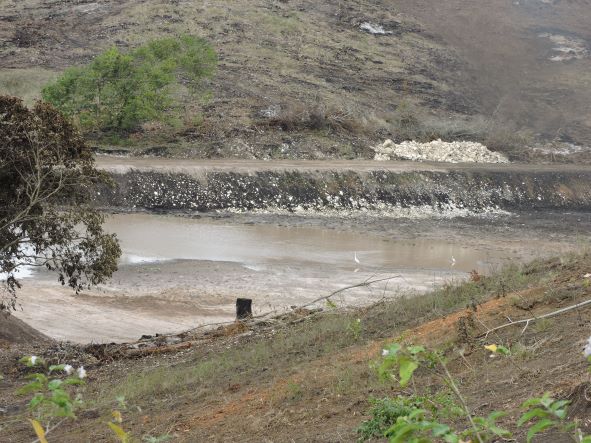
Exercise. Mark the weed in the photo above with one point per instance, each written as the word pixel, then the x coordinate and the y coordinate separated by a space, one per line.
pixel 294 390
pixel 521 351
pixel 355 328
pixel 543 324
pixel 384 413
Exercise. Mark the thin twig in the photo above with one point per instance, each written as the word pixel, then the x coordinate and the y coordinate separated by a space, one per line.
pixel 529 320
pixel 358 285
pixel 458 394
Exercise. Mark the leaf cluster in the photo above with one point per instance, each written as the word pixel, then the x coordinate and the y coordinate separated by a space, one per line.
pixel 411 421
pixel 118 90
pixel 47 184
pixel 51 397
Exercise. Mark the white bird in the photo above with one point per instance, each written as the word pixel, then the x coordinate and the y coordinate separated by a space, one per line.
pixel 453 261
pixel 355 258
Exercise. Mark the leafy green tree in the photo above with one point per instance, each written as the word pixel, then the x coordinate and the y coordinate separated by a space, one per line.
pixel 47 180
pixel 119 91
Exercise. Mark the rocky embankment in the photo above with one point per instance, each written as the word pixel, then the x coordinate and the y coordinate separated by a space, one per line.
pixel 349 187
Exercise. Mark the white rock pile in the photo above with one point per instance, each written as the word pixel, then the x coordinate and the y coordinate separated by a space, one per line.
pixel 438 151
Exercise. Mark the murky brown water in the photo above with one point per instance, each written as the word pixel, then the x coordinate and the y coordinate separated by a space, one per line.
pixel 151 238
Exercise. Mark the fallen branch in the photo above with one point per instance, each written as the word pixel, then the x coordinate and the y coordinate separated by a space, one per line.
pixel 358 285
pixel 530 320
pixel 142 352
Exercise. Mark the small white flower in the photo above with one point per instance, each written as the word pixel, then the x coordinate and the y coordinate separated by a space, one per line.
pixel 587 350
pixel 33 359
pixel 68 369
pixel 81 372
pixel 385 352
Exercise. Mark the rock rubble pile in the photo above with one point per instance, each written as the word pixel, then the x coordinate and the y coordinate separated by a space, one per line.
pixel 439 151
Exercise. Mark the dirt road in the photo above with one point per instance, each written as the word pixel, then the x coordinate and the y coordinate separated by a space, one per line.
pixel 124 164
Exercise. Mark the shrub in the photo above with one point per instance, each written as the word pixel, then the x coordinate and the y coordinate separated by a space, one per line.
pixel 384 413
pixel 119 91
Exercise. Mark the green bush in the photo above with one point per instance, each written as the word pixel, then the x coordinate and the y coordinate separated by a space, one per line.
pixel 384 413
pixel 119 91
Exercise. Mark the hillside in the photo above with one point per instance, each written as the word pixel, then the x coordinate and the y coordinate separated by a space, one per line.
pixel 309 375
pixel 303 79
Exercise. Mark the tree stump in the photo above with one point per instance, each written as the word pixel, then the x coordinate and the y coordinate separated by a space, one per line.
pixel 243 308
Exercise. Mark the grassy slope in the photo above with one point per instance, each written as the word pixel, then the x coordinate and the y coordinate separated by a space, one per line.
pixel 301 57
pixel 309 378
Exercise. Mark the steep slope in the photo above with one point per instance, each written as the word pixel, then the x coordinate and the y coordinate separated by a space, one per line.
pixel 304 79
pixel 528 60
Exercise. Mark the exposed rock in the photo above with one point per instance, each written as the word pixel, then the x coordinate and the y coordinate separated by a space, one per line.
pixel 373 28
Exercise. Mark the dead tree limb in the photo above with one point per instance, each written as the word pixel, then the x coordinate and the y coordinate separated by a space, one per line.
pixel 533 319
pixel 346 288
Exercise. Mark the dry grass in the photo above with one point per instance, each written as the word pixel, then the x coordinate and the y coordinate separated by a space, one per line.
pixel 315 376
pixel 25 83
pixel 319 336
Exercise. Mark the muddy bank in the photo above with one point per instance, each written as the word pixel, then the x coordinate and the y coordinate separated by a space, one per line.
pixel 463 190
pixel 178 273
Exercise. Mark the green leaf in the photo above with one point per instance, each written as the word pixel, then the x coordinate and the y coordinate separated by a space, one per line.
pixel 499 431
pixel 439 429
pixel 31 387
pixel 54 384
pixel 407 368
pixel 451 438
pixel 531 402
pixel 415 349
pixel 56 368
pixel 546 400
pixel 503 350
pixel 36 400
pixel 393 349
pixel 540 426
pixel 73 381
pixel 41 378
pixel 537 412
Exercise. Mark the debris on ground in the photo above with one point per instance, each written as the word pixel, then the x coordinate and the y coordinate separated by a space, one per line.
pixel 438 150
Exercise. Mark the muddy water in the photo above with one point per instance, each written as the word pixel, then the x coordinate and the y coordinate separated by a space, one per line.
pixel 177 272
pixel 152 238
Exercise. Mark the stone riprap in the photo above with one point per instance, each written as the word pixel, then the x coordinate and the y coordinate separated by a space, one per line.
pixel 467 191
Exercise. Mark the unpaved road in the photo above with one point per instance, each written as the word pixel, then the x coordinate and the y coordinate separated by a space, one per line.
pixel 124 164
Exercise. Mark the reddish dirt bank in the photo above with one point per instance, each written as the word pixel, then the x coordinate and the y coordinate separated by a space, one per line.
pixel 320 392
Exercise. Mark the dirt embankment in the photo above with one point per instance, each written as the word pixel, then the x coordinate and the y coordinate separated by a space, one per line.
pixel 308 376
pixel 13 330
pixel 345 186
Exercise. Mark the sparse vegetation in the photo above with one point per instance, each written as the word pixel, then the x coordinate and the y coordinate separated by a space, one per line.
pixel 319 337
pixel 317 366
